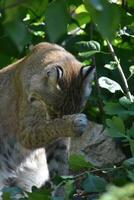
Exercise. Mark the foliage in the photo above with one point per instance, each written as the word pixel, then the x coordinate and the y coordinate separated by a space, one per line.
pixel 98 32
pixel 116 193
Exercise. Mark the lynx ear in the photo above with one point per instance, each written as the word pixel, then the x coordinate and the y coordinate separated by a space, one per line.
pixel 87 73
pixel 54 73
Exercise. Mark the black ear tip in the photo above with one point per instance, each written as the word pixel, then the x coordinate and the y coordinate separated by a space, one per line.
pixel 92 67
pixel 86 70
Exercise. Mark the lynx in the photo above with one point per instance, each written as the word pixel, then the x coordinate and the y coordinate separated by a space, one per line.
pixel 41 98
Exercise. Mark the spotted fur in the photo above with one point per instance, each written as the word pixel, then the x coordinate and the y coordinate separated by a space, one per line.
pixel 40 96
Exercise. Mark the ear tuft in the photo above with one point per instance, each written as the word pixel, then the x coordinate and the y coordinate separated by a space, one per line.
pixel 85 71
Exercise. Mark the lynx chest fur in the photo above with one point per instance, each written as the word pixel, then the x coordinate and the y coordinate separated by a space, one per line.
pixel 41 97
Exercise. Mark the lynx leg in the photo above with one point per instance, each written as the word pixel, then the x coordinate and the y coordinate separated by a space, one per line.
pixel 57 157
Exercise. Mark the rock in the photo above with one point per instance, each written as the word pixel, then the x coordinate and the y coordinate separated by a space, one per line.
pixel 97 146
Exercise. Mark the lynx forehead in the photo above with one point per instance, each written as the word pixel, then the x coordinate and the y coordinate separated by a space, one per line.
pixel 41 96
pixel 66 82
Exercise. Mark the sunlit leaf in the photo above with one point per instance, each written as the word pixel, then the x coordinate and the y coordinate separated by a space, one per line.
pixel 131 69
pixel 111 66
pixel 82 18
pixel 80 9
pixel 109 84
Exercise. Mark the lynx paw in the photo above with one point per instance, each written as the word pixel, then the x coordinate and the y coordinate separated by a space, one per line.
pixel 80 124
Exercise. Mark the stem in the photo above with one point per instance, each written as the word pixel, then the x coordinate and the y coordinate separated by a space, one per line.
pixel 57 187
pixel 108 169
pixel 126 88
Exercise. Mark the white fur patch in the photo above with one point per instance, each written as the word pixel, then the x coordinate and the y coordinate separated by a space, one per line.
pixel 33 171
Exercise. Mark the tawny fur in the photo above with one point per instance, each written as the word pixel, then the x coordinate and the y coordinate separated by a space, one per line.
pixel 38 109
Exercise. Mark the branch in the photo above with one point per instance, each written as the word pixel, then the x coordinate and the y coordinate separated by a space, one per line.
pixel 126 88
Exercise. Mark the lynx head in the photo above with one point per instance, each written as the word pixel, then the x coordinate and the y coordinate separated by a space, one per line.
pixel 62 85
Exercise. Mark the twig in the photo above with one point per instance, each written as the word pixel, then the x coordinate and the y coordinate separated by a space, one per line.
pixel 97 170
pixel 83 174
pixel 127 91
pixel 57 187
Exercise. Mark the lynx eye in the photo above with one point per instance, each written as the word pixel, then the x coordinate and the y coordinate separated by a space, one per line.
pixel 59 72
pixel 32 98
pixel 48 73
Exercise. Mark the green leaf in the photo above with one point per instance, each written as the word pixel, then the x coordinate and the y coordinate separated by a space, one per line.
pixel 116 109
pixel 130 174
pixel 57 198
pixel 116 127
pixel 102 13
pixel 6 196
pixel 82 18
pixel 129 163
pixel 111 108
pixel 129 167
pixel 87 54
pixel 78 162
pixel 124 101
pixel 18 33
pixel 94 184
pixel 119 193
pixel 69 189
pixel 130 3
pixel 56 20
pixel 87 46
pixel 130 132
pixel 96 4
pixel 119 176
pixel 38 7
pixel 109 84
pixel 37 196
pixel 80 9
pixel 111 66
pixel 14 12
